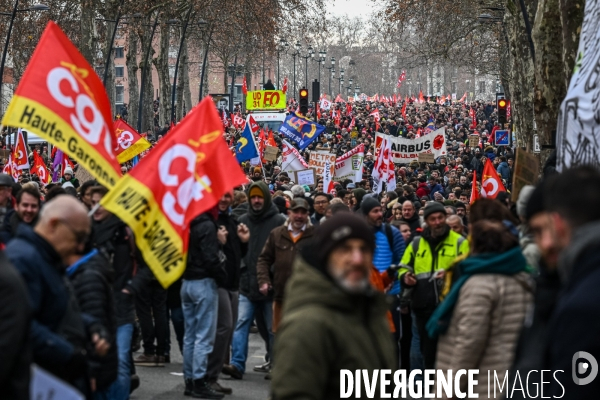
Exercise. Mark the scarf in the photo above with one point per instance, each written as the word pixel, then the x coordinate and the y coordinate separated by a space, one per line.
pixel 508 263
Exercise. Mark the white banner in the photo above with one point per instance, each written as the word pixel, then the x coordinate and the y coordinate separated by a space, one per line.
pixel 291 160
pixel 325 104
pixel 327 183
pixel 407 150
pixel 578 136
pixel 350 165
pixel 318 160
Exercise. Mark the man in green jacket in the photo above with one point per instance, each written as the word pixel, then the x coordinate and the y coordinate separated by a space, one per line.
pixel 332 318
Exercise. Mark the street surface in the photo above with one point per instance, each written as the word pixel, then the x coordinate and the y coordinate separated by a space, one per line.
pixel 162 384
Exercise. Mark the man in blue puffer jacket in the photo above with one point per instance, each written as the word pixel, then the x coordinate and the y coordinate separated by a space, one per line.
pixel 504 170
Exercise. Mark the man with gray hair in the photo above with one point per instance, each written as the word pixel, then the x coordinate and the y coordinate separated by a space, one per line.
pixel 298 191
pixel 456 224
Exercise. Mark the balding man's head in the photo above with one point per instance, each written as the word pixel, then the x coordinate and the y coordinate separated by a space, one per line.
pixel 456 224
pixel 408 210
pixel 65 225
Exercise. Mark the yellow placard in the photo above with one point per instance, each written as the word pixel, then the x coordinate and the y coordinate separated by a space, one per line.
pixel 265 100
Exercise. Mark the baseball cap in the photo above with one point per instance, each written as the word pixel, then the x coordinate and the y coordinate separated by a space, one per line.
pixel 299 203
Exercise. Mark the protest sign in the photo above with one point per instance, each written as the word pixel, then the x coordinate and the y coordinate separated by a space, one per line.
pixel 428 158
pixel 305 177
pixel 407 150
pixel 271 153
pixel 350 165
pixel 526 172
pixel 318 159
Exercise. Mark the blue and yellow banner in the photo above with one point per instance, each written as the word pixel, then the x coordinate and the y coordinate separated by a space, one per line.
pixel 300 130
pixel 245 149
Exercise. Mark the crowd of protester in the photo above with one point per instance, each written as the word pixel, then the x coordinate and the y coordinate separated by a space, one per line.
pixel 411 278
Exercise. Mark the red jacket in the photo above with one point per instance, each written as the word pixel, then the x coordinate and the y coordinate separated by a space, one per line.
pixel 423 190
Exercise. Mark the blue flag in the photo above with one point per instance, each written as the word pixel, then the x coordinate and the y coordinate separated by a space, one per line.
pixel 245 148
pixel 300 130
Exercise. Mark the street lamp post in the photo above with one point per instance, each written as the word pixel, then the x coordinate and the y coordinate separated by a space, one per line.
pixel 13 15
pixel 340 80
pixel 331 72
pixel 306 57
pixel 174 87
pixel 294 55
pixel 320 60
pixel 356 90
pixel 283 47
pixel 349 86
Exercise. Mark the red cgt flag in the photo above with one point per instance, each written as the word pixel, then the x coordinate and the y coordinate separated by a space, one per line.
pixel 285 85
pixel 20 158
pixel 473 118
pixel 66 163
pixel 185 175
pixel 271 141
pixel 61 99
pixel 129 142
pixel 40 169
pixel 491 184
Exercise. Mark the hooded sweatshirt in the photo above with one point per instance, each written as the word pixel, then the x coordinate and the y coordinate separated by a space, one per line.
pixel 260 223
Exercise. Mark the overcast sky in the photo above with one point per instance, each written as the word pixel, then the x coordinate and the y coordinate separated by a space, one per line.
pixel 352 8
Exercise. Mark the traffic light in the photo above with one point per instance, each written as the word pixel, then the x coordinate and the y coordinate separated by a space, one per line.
pixel 501 106
pixel 316 89
pixel 303 101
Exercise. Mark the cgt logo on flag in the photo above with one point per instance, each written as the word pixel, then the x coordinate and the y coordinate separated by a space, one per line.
pixel 129 142
pixel 185 175
pixel 61 99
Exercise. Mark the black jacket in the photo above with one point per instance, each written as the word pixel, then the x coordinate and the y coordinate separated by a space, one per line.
pixel 10 226
pixel 234 250
pixel 130 272
pixel 260 223
pixel 57 332
pixel 415 223
pixel 15 347
pixel 205 258
pixel 531 353
pixel 575 326
pixel 42 270
pixel 92 279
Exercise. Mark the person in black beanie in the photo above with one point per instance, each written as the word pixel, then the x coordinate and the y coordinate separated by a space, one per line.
pixel 330 301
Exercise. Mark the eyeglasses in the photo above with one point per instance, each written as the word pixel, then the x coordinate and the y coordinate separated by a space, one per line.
pixel 80 236
pixel 319 203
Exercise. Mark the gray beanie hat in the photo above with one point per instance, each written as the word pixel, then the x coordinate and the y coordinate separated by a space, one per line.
pixel 368 204
pixel 433 207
